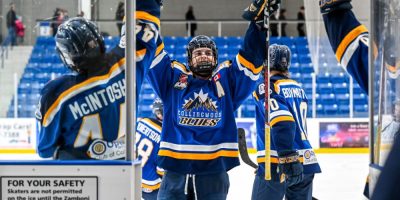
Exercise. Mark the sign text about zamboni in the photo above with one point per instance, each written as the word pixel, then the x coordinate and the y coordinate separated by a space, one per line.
pixel 48 188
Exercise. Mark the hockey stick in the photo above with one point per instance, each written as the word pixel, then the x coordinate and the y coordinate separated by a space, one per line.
pixel 267 126
pixel 244 155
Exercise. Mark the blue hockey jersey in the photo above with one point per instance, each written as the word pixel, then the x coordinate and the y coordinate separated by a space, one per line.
pixel 148 137
pixel 288 108
pixel 349 40
pixel 75 109
pixel 200 135
pixel 148 42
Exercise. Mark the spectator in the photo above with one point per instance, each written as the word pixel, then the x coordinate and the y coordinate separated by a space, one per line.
pixel 58 18
pixel 274 25
pixel 300 26
pixel 119 15
pixel 11 17
pixel 282 16
pixel 190 17
pixel 20 30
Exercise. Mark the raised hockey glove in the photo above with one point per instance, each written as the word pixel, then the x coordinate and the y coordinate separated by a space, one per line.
pixel 290 168
pixel 256 9
pixel 328 6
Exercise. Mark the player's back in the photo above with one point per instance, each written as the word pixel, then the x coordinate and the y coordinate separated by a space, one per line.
pixel 292 97
pixel 148 136
pixel 75 109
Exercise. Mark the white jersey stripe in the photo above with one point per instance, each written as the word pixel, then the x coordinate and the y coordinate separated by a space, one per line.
pixel 246 71
pixel 199 148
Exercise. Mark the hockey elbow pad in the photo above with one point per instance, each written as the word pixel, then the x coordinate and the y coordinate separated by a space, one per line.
pixel 328 6
pixel 289 167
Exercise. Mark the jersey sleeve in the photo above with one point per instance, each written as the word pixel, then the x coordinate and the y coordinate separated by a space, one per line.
pixel 161 74
pixel 349 40
pixel 247 65
pixel 283 127
pixel 48 133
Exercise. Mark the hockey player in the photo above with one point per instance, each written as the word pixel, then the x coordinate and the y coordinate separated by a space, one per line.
pixel 349 39
pixel 76 109
pixel 148 136
pixel 293 161
pixel 199 139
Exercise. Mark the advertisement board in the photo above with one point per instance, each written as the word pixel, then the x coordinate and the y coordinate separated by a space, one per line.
pixel 343 134
pixel 17 135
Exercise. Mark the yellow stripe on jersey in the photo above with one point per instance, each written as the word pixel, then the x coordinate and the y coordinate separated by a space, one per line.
pixel 198 156
pixel 277 83
pixel 115 67
pixel 148 121
pixel 255 95
pixel 140 54
pixel 147 16
pixel 161 173
pixel 281 119
pixel 181 67
pixel 159 49
pixel 274 160
pixel 348 39
pixel 151 187
pixel 249 65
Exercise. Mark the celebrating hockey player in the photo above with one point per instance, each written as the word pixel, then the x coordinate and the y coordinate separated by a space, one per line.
pixel 76 109
pixel 293 161
pixel 199 139
pixel 349 40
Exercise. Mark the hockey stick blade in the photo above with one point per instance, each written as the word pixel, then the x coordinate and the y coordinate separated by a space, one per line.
pixel 244 155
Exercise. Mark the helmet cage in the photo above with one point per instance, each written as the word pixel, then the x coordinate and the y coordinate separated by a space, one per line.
pixel 202 68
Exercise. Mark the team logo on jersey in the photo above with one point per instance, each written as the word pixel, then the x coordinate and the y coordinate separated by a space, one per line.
pixel 309 157
pixel 98 148
pixel 182 82
pixel 199 111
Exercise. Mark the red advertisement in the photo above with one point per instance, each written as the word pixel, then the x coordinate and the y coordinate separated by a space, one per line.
pixel 343 134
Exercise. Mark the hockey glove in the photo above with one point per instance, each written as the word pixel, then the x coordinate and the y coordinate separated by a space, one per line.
pixel 256 9
pixel 290 168
pixel 328 6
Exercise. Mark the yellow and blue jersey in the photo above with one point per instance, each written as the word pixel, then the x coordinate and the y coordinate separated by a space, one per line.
pixel 75 109
pixel 200 135
pixel 288 110
pixel 148 42
pixel 349 40
pixel 148 137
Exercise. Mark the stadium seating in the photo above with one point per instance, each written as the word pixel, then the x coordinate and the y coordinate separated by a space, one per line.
pixel 332 90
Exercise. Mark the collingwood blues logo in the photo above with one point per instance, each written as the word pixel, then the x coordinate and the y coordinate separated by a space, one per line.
pixel 200 111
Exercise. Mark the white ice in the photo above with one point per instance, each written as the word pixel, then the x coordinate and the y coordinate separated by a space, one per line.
pixel 343 177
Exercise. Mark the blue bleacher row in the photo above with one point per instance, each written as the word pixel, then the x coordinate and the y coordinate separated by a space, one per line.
pixel 332 92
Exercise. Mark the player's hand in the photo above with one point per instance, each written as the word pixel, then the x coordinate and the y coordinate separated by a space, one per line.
pixel 328 6
pixel 290 168
pixel 256 9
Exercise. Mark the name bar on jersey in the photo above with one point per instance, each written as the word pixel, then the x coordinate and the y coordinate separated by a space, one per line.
pixel 96 100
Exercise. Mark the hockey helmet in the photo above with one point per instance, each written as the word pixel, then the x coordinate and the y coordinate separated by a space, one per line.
pixel 279 57
pixel 78 42
pixel 202 68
